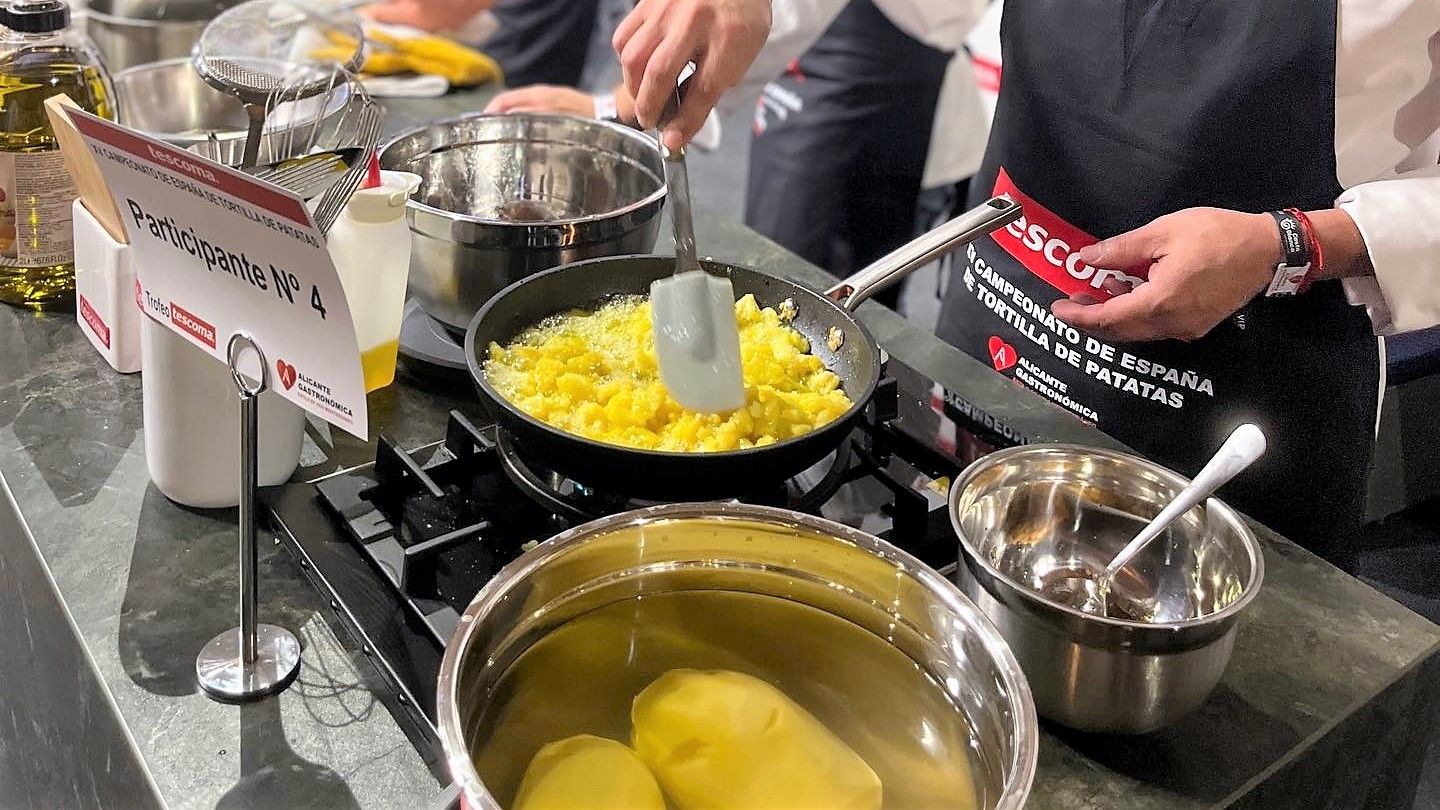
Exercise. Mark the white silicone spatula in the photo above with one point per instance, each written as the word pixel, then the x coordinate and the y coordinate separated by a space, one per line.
pixel 697 341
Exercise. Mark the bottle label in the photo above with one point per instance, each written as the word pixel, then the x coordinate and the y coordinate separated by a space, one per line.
pixel 35 198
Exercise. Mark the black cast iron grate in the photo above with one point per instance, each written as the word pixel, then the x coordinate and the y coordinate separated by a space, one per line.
pixel 438 531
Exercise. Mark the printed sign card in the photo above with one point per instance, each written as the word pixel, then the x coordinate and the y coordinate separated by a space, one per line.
pixel 219 252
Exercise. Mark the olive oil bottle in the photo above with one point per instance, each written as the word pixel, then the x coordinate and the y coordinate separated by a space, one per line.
pixel 40 56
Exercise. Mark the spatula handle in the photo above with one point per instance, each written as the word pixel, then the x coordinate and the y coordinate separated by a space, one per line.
pixel 1244 446
pixel 677 181
pixel 985 218
pixel 682 221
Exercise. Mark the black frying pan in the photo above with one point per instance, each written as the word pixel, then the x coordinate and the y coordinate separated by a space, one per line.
pixel 825 319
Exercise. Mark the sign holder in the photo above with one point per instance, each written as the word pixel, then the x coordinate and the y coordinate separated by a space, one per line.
pixel 220 253
pixel 253 660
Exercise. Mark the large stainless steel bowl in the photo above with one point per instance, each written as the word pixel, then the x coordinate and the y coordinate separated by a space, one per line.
pixel 169 101
pixel 134 32
pixel 747 549
pixel 505 196
pixel 1030 518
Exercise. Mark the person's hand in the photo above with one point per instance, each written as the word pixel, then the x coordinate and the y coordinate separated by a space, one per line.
pixel 427 15
pixel 543 98
pixel 1202 264
pixel 658 38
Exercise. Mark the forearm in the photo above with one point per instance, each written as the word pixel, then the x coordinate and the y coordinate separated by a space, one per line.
pixel 453 17
pixel 1344 249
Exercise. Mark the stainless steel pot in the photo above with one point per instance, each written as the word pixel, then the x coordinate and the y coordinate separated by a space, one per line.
pixel 506 196
pixel 133 32
pixel 1030 517
pixel 749 549
pixel 169 101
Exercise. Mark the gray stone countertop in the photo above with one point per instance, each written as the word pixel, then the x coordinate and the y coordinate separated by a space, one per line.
pixel 147 583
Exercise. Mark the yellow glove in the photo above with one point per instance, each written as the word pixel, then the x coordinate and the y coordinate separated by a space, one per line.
pixel 431 56
pixel 437 56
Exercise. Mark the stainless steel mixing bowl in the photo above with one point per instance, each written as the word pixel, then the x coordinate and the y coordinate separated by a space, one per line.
pixel 755 550
pixel 1029 518
pixel 169 101
pixel 506 196
pixel 135 32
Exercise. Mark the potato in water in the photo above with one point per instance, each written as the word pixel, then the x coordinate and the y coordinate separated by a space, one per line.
pixel 594 374
pixel 588 771
pixel 721 740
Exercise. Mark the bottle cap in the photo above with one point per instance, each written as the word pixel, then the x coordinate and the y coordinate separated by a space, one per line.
pixel 385 202
pixel 372 172
pixel 42 17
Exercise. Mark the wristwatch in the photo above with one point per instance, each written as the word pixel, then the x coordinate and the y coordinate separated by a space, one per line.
pixel 605 108
pixel 1302 259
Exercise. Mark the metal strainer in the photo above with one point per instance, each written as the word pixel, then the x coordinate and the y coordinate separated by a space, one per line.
pixel 251 52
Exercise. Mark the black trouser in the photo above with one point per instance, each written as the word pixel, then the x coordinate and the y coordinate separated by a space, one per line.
pixel 542 41
pixel 841 141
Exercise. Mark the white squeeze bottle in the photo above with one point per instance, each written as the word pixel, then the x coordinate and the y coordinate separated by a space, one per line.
pixel 370 246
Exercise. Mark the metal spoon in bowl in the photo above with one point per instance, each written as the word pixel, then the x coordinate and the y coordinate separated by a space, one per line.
pixel 697 341
pixel 1245 445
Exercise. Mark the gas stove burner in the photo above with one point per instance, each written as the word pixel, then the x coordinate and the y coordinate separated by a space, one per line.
pixel 578 501
pixel 429 346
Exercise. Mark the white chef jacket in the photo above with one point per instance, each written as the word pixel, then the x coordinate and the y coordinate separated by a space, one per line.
pixel 1387 145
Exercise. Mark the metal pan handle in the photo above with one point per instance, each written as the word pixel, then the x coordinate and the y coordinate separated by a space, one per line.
pixel 985 218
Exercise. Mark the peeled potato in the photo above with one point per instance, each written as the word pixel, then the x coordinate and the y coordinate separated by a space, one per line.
pixel 721 740
pixel 591 772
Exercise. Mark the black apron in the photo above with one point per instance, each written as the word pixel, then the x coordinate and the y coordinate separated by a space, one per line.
pixel 1114 113
pixel 841 141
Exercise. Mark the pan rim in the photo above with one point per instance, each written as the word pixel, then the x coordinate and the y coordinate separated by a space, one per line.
pixel 654 197
pixel 477 371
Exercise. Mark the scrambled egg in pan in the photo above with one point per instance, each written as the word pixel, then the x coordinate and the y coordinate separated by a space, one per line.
pixel 594 374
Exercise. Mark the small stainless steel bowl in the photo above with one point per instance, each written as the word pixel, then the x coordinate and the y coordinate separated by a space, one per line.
pixel 169 101
pixel 506 196
pixel 738 548
pixel 1030 517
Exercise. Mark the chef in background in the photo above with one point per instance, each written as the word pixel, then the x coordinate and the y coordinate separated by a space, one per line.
pixel 843 130
pixel 957 146
pixel 1215 198
pixel 842 137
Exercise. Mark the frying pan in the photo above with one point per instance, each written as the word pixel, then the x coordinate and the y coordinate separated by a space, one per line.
pixel 825 319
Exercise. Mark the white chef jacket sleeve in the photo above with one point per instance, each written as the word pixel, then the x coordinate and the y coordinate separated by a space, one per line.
pixel 1399 217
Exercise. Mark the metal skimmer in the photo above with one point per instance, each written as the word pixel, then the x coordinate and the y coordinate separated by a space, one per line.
pixel 251 52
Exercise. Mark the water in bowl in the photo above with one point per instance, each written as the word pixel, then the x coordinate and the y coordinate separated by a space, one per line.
pixel 582 677
pixel 529 210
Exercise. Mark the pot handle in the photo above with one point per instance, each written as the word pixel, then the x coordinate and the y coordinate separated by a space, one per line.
pixel 983 219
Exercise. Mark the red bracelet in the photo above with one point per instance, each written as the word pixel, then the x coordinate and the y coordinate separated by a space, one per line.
pixel 1317 262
